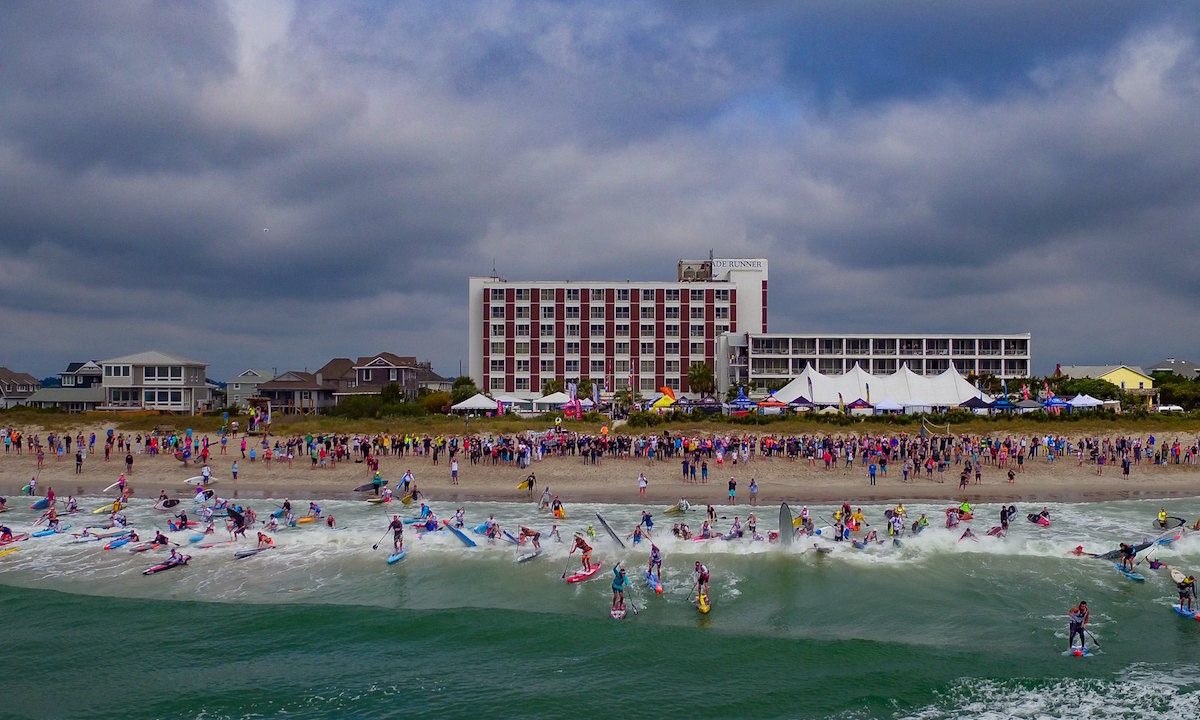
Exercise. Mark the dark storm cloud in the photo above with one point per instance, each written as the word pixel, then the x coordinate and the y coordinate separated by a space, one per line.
pixel 271 184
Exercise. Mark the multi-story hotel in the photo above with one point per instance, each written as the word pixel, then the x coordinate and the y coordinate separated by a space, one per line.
pixel 649 333
pixel 759 360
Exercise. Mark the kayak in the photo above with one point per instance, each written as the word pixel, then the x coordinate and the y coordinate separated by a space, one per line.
pixel 15 539
pixel 459 534
pixel 702 604
pixel 114 506
pixel 609 530
pixel 652 581
pixel 166 565
pixel 407 499
pixel 397 557
pixel 119 542
pixel 40 504
pixel 196 538
pixel 199 480
pixel 44 533
pixel 528 556
pixel 1131 575
pixel 785 525
pixel 584 574
pixel 146 546
pixel 166 504
pixel 249 552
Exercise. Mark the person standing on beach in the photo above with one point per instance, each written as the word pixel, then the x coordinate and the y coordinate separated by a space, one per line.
pixel 732 491
pixel 128 463
pixel 454 471
pixel 642 483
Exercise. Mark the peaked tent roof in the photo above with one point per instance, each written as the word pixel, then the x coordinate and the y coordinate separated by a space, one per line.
pixel 903 387
pixel 478 401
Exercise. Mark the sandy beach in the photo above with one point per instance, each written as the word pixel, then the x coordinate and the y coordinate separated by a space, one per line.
pixel 614 480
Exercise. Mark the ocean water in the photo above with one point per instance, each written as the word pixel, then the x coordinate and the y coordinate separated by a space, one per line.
pixel 321 627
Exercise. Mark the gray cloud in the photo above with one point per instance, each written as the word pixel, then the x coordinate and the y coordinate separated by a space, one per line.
pixel 271 184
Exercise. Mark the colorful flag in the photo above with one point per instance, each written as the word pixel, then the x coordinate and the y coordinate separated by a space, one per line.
pixel 841 403
pixel 868 393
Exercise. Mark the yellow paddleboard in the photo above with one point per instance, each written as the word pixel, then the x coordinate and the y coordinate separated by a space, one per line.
pixel 702 604
pixel 525 485
pixel 105 508
pixel 407 499
pixel 560 513
pixel 306 520
pixel 8 551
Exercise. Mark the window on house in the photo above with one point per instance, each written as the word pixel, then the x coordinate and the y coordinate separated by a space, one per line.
pixel 572 348
pixel 621 330
pixel 597 295
pixel 547 348
pixel 671 348
pixel 366 375
pixel 572 331
pixel 647 330
pixel 523 366
pixel 597 329
pixel 497 383
pixel 621 348
pixel 697 295
pixel 597 366
pixel 621 313
pixel 721 295
pixel 671 313
pixel 523 330
pixel 647 312
pixel 646 366
pixel 498 348
pixel 521 383
pixel 597 348
pixel 696 313
pixel 647 348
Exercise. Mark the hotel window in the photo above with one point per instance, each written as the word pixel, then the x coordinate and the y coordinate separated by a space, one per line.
pixel 622 313
pixel 547 295
pixel 696 313
pixel 858 346
pixel 671 331
pixel 546 366
pixel 647 312
pixel 148 396
pixel 696 349
pixel 621 348
pixel 721 313
pixel 547 312
pixel 498 348
pixel 647 348
pixel 671 313
pixel 521 383
pixel 597 295
pixel 646 366
pixel 697 295
pixel 830 346
pixel 546 329
pixel 523 330
pixel 572 367
pixel 647 330
pixel 523 313
pixel 597 348
pixel 722 295
pixel 721 329
pixel 547 348
pixel 623 295
pixel 572 348
pixel 671 348
pixel 498 294
pixel 597 330
pixel 497 383
pixel 497 366
pixel 572 313
pixel 596 312
pixel 672 366
pixel 573 294
pixel 697 331
pixel 673 295
pixel 522 366
pixel 647 296
pixel 646 384
pixel 523 294
pixel 497 312
pixel 521 349
pixel 621 330
pixel 497 329
pixel 572 331
pixel 620 367
pixel 673 383
pixel 597 367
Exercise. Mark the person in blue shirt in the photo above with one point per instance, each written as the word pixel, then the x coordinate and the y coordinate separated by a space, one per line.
pixel 620 580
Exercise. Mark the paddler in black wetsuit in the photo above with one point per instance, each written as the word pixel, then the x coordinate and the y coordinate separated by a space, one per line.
pixel 397 528
pixel 1127 553
pixel 183 520
pixel 1078 617
pixel 1004 515
pixel 1187 591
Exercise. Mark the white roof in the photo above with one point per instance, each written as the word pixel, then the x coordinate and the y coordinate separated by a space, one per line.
pixel 1086 401
pixel 478 401
pixel 553 399
pixel 510 400
pixel 151 357
pixel 903 387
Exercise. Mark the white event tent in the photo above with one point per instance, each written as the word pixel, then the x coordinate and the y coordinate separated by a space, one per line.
pixel 903 388
pixel 476 403
pixel 551 402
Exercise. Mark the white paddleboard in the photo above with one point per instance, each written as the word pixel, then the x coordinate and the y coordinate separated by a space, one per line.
pixel 199 480
pixel 110 487
pixel 1176 576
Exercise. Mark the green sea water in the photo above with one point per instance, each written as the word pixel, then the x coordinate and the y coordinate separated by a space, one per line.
pixel 323 628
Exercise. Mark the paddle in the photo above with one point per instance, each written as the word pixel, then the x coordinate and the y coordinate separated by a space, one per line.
pixel 376 545
pixel 1093 637
pixel 567 566
pixel 629 596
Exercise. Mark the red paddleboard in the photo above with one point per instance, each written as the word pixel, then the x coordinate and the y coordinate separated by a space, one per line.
pixel 584 575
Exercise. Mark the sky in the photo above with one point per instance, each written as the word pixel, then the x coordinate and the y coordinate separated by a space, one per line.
pixel 271 184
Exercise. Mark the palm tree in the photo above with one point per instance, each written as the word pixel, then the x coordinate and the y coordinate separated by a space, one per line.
pixel 701 379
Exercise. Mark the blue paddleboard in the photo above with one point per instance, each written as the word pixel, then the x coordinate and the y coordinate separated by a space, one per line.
pixel 397 557
pixel 1189 614
pixel 1131 575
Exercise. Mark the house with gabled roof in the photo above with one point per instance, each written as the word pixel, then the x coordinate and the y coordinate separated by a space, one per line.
pixel 16 387
pixel 155 380
pixel 243 386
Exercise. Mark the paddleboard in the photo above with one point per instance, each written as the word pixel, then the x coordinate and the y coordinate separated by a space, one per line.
pixel 249 552
pixel 166 504
pixel 110 487
pixel 397 557
pixel 407 499
pixel 459 534
pixel 44 533
pixel 196 538
pixel 652 581
pixel 279 513
pixel 377 500
pixel 166 566
pixel 40 504
pixel 618 614
pixel 560 514
pixel 702 604
pixel 1176 576
pixel 306 519
pixel 1131 575
pixel 584 574
pixel 528 556
pixel 176 527
pixel 525 484
pixel 204 495
pixel 9 551
pixel 508 536
pixel 1172 523
pixel 199 480
pixel 1079 651
pixel 1038 519
pixel 785 525
pixel 609 530
pixel 25 490
pixel 108 508
pixel 15 539
pixel 119 542
pixel 368 487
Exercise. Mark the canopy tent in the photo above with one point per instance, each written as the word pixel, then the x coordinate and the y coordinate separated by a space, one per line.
pixel 888 406
pixel 1056 402
pixel 476 403
pixel 585 403
pixel 742 402
pixel 800 402
pixel 1003 404
pixel 1028 406
pixel 707 405
pixel 551 402
pixel 947 389
pixel 975 404
pixel 771 406
pixel 511 401
pixel 662 403
pixel 1084 402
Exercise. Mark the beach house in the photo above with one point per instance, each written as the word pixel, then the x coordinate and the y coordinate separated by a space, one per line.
pixel 154 380
pixel 243 386
pixel 81 375
pixel 16 387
